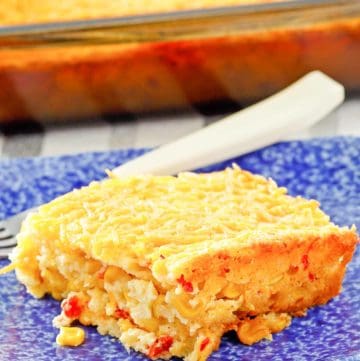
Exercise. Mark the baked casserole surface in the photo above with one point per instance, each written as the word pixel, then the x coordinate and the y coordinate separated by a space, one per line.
pixel 165 65
pixel 38 11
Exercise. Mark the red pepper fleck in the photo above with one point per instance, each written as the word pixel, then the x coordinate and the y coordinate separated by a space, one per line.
pixel 305 261
pixel 312 277
pixel 120 313
pixel 293 269
pixel 72 307
pixel 204 343
pixel 223 256
pixel 162 344
pixel 187 286
pixel 162 256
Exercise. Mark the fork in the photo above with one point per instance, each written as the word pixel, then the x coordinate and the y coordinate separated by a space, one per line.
pixel 8 230
pixel 296 107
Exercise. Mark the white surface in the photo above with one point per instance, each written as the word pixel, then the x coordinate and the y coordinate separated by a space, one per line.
pixel 349 118
pixel 295 108
pixel 76 138
pixel 153 131
pixel 102 135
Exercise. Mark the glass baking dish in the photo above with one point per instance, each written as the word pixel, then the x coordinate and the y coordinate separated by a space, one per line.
pixel 150 63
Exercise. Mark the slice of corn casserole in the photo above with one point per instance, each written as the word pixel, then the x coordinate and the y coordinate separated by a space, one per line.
pixel 168 264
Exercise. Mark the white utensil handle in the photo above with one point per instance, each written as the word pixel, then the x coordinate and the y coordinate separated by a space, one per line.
pixel 296 107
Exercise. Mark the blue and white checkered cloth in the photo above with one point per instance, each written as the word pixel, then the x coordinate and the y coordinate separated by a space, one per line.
pixel 101 134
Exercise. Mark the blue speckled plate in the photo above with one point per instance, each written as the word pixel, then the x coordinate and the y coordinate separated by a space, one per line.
pixel 324 169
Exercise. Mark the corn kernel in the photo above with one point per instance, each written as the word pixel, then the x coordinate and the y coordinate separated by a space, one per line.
pixel 181 303
pixel 159 268
pixel 252 331
pixel 92 266
pixel 277 322
pixel 231 291
pixel 113 274
pixel 150 324
pixel 214 285
pixel 70 336
pixel 262 326
pixel 125 325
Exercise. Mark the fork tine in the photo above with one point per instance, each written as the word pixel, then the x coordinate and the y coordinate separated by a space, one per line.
pixel 8 229
pixel 5 233
pixel 8 242
pixel 5 237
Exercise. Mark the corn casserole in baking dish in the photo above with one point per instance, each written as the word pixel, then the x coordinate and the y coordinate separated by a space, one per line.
pixel 169 264
pixel 242 52
pixel 39 11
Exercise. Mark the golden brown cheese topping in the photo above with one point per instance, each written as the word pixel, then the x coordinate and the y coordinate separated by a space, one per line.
pixel 145 217
pixel 36 11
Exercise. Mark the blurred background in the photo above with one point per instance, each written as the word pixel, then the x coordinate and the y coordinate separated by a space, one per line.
pixel 86 75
